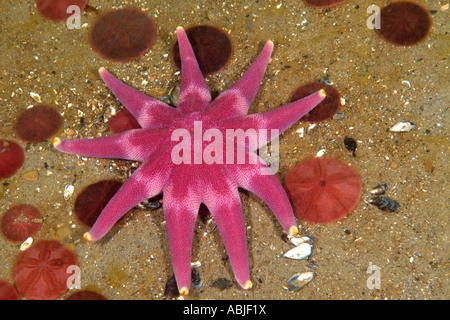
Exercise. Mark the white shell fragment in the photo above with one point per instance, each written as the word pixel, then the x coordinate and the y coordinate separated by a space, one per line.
pixel 402 126
pixel 299 280
pixel 300 252
pixel 320 153
pixel 35 97
pixel 26 244
pixel 196 264
pixel 406 82
pixel 68 191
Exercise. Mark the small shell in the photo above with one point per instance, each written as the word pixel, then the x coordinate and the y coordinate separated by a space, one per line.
pixel 171 289
pixel 300 252
pixel 172 97
pixel 26 244
pixel 299 280
pixel 320 153
pixel 325 81
pixel 384 203
pixel 196 279
pixel 296 241
pixel 68 191
pixel 380 188
pixel 339 116
pixel 147 204
pixel 174 93
pixel 210 225
pixel 402 126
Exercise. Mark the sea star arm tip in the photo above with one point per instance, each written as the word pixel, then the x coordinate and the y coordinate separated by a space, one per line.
pixel 146 182
pixel 184 291
pixel 225 206
pixel 237 99
pixel 181 205
pixel 268 188
pixel 248 285
pixel 117 146
pixel 285 116
pixel 293 231
pixel 87 236
pixel 194 91
pixel 56 141
pixel 148 111
pixel 322 93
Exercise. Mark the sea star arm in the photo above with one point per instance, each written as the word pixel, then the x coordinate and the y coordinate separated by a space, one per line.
pixel 264 184
pixel 194 92
pixel 124 145
pixel 285 116
pixel 148 111
pixel 181 205
pixel 236 100
pixel 222 199
pixel 277 120
pixel 146 182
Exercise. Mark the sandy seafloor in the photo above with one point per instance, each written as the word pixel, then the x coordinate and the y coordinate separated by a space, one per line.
pixel 381 84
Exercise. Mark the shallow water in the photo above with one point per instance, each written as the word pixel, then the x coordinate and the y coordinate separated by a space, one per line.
pixel 381 85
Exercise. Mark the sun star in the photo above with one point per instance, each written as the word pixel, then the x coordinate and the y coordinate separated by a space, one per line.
pixel 188 183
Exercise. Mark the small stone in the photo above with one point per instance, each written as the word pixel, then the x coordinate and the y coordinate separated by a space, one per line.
pixel 222 283
pixel 31 175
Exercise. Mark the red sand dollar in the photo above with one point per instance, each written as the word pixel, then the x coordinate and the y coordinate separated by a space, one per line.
pixel 7 291
pixel 57 9
pixel 122 35
pixel 11 158
pixel 324 110
pixel 86 295
pixel 324 3
pixel 91 201
pixel 123 121
pixel 41 271
pixel 323 190
pixel 20 222
pixel 38 123
pixel 212 48
pixel 404 23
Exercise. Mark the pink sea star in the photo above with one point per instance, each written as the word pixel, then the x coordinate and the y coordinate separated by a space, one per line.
pixel 187 185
